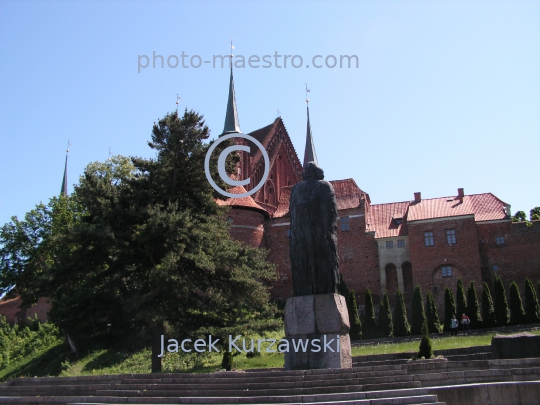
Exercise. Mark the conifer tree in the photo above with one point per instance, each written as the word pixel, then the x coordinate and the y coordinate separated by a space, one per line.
pixel 401 323
pixel 369 328
pixel 386 328
pixel 473 308
pixel 418 315
pixel 355 332
pixel 532 308
pixel 502 315
pixel 449 308
pixel 488 311
pixel 426 345
pixel 432 316
pixel 461 300
pixel 517 313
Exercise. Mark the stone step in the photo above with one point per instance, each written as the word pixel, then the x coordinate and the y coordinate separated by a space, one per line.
pixel 215 378
pixel 86 389
pixel 395 397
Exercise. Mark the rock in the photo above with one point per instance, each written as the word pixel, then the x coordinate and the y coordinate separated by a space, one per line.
pixel 519 345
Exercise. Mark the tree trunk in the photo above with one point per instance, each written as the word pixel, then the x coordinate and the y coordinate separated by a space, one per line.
pixel 156 347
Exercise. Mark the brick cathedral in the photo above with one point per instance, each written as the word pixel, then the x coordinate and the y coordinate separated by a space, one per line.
pixel 427 242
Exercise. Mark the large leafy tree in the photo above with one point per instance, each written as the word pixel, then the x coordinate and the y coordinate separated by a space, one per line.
pixel 151 248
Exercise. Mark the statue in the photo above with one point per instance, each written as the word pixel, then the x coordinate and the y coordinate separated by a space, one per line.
pixel 313 238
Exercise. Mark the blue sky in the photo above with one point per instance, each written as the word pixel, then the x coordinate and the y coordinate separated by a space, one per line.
pixel 446 94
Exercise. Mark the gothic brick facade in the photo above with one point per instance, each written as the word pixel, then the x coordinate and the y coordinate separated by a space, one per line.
pixel 426 242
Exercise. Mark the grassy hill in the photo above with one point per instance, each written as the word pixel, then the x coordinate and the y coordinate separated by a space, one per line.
pixel 39 350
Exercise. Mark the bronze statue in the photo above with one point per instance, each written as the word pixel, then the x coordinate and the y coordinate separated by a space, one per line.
pixel 313 238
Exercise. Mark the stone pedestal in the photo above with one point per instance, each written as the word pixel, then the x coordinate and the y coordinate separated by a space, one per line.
pixel 317 328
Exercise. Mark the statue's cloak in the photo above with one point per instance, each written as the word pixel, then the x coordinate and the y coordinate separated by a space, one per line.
pixel 313 238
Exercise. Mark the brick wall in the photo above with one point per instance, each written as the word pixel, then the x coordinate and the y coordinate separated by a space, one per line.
pixel 11 309
pixel 247 226
pixel 427 261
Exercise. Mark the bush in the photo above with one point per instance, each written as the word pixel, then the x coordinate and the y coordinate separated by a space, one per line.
pixel 433 322
pixel 449 308
pixel 473 308
pixel 426 346
pixel 386 328
pixel 502 315
pixel 401 323
pixel 228 361
pixel 369 328
pixel 517 313
pixel 488 311
pixel 418 315
pixel 355 332
pixel 532 308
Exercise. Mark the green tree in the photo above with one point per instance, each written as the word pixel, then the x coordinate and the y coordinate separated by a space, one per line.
pixel 532 308
pixel 426 345
pixel 449 308
pixel 519 216
pixel 461 299
pixel 355 332
pixel 488 311
pixel 502 315
pixel 517 313
pixel 28 249
pixel 153 249
pixel 473 308
pixel 369 327
pixel 535 214
pixel 432 316
pixel 401 323
pixel 386 328
pixel 417 312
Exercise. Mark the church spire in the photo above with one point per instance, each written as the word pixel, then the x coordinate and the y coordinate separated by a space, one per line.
pixel 64 190
pixel 231 118
pixel 309 153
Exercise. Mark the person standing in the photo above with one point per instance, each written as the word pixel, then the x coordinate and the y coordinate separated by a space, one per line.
pixel 453 326
pixel 465 321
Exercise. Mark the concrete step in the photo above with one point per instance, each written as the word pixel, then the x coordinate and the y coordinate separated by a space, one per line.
pixel 394 397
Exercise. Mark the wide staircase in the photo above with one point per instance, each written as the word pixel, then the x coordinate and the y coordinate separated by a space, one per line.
pixel 395 381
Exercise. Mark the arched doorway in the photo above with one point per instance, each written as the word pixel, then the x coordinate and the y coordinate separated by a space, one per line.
pixel 391 281
pixel 408 282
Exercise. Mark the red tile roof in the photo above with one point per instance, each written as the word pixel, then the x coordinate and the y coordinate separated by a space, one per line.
pixel 484 207
pixel 348 194
pixel 381 218
pixel 244 202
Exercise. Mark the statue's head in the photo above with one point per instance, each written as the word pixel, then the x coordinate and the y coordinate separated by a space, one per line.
pixel 312 171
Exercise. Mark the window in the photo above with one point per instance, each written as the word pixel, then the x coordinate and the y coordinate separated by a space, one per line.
pixel 345 224
pixel 389 244
pixel 495 268
pixel 230 221
pixel 499 240
pixel 428 239
pixel 401 243
pixel 288 233
pixel 447 271
pixel 451 236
